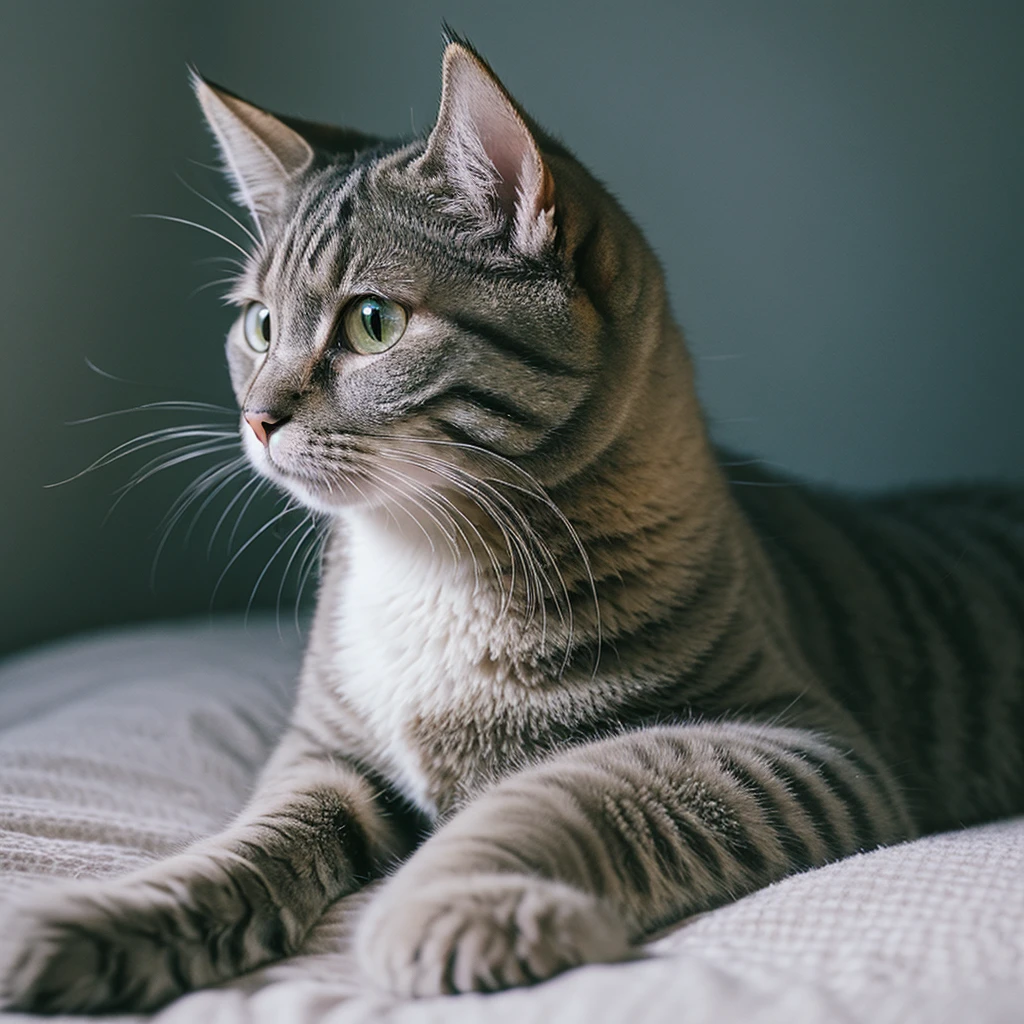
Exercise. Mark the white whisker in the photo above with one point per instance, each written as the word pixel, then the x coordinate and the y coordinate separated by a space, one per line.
pixel 532 489
pixel 316 551
pixel 149 406
pixel 311 528
pixel 287 510
pixel 255 482
pixel 260 487
pixel 239 466
pixel 204 482
pixel 143 441
pixel 193 224
pixel 227 213
pixel 270 561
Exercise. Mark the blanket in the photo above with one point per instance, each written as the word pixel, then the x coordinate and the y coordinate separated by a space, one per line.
pixel 120 748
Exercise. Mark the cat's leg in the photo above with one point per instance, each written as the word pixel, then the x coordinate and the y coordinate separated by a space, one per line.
pixel 574 860
pixel 311 833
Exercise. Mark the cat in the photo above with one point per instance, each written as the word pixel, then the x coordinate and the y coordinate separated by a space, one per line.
pixel 567 682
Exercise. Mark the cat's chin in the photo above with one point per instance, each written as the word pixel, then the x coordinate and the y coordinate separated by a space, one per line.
pixel 325 496
pixel 329 499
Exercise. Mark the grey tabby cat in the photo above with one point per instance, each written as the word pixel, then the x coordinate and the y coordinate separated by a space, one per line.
pixel 611 686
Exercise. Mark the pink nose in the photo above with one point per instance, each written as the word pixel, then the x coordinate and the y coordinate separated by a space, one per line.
pixel 263 425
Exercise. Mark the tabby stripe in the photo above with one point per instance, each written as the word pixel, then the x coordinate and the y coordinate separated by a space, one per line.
pixel 486 401
pixel 283 255
pixel 645 835
pixel 749 853
pixel 844 799
pixel 802 791
pixel 917 690
pixel 977 665
pixel 595 858
pixel 1006 706
pixel 257 853
pixel 968 630
pixel 272 936
pixel 509 344
pixel 263 912
pixel 615 832
pixel 234 937
pixel 946 689
pixel 702 844
pixel 674 827
pixel 663 831
pixel 693 837
pixel 454 432
pixel 521 846
pixel 594 861
pixel 332 223
pixel 775 814
pixel 670 692
pixel 670 613
pixel 119 978
pixel 172 955
pixel 106 954
pixel 910 676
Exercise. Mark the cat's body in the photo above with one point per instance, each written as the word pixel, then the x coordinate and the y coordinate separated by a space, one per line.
pixel 617 679
pixel 923 642
pixel 403 650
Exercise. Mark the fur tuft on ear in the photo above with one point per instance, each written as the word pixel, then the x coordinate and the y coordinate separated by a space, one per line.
pixel 261 154
pixel 483 146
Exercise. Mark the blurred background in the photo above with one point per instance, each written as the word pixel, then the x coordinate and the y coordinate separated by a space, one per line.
pixel 835 189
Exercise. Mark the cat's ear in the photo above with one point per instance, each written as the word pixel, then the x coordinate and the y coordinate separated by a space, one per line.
pixel 484 146
pixel 262 154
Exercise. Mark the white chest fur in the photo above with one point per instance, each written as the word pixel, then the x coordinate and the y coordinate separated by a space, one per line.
pixel 412 637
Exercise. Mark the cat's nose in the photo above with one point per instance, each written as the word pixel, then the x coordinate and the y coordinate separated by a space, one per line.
pixel 264 424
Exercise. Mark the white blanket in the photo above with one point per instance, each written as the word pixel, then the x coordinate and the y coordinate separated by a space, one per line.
pixel 117 749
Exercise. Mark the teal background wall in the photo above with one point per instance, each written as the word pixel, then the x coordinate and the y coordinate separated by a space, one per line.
pixel 834 189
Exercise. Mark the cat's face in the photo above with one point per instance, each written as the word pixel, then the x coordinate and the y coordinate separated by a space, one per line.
pixel 411 312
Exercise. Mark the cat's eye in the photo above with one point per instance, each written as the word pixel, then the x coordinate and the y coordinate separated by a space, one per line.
pixel 372 324
pixel 257 326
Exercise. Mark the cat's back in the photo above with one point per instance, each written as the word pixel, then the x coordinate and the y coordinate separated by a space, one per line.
pixel 910 606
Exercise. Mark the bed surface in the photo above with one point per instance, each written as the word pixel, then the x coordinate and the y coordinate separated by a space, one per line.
pixel 119 748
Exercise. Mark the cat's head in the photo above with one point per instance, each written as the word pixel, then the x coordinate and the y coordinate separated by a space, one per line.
pixel 419 313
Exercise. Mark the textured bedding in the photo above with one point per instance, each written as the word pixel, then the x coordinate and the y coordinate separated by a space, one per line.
pixel 120 748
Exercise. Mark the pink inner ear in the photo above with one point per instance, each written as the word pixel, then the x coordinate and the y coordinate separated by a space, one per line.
pixel 506 142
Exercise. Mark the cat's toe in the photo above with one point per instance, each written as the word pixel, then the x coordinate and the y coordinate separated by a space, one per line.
pixel 483 933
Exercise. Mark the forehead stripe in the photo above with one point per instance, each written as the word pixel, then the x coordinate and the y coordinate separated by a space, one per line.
pixel 333 215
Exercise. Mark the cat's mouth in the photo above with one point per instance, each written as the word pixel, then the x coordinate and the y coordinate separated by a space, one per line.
pixel 330 475
pixel 277 461
pixel 329 496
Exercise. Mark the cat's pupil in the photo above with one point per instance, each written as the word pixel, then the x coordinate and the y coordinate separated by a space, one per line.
pixel 265 324
pixel 372 320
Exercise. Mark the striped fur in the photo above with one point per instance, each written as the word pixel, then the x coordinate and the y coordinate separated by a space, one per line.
pixel 611 680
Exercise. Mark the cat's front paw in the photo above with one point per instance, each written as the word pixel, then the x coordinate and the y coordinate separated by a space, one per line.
pixel 134 943
pixel 482 933
pixel 82 948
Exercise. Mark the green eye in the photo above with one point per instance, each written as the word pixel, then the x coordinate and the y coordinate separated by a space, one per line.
pixel 373 325
pixel 257 326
